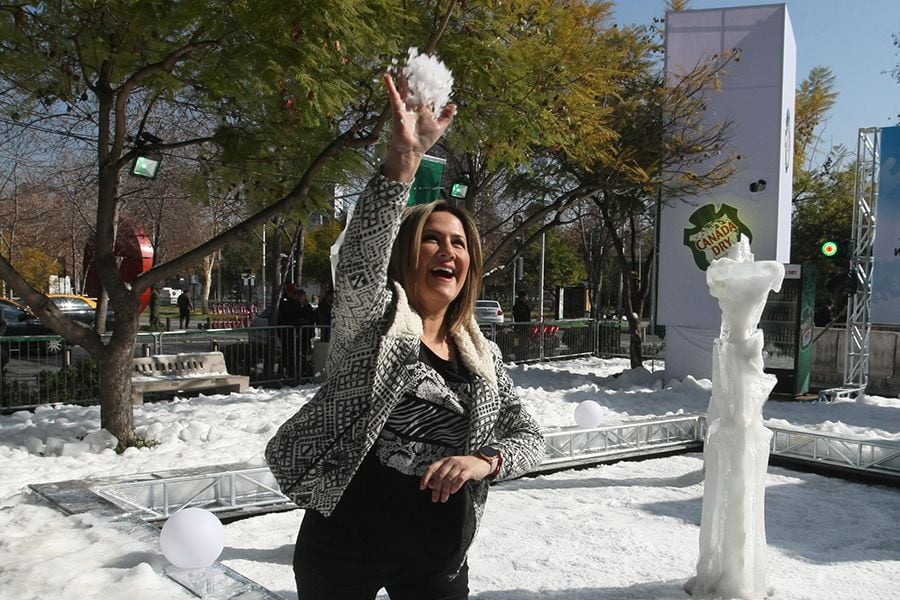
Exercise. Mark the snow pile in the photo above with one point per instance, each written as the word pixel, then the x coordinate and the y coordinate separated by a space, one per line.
pixel 570 535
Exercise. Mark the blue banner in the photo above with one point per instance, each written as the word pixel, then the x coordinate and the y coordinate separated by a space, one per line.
pixel 885 307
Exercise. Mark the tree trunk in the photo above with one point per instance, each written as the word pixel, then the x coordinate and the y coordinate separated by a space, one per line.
pixel 154 306
pixel 115 367
pixel 635 346
pixel 117 416
pixel 209 262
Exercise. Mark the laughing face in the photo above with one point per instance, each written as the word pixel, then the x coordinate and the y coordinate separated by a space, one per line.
pixel 443 262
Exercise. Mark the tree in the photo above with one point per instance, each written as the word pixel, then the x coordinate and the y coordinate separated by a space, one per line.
pixel 271 101
pixel 248 81
pixel 657 144
pixel 815 96
pixel 317 254
pixel 823 185
pixel 532 83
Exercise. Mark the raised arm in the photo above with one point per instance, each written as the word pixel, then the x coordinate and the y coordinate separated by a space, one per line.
pixel 414 131
pixel 361 275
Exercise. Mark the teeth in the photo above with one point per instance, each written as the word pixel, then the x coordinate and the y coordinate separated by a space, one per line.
pixel 446 272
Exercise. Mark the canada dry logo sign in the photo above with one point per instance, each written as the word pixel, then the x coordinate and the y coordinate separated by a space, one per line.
pixel 714 232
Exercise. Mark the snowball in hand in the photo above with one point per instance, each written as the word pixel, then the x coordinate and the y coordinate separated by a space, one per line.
pixel 428 79
pixel 192 538
pixel 588 414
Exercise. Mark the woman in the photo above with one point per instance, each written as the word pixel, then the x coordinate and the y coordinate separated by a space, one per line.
pixel 393 456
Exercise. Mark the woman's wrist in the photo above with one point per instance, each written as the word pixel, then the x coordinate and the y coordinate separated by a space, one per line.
pixel 401 165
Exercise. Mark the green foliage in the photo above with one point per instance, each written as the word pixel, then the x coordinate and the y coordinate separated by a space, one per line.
pixel 814 98
pixel 823 211
pixel 317 252
pixel 139 442
pixel 18 393
pixel 36 267
pixel 81 381
pixel 549 61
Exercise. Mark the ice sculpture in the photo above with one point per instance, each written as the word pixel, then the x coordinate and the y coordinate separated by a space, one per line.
pixel 732 562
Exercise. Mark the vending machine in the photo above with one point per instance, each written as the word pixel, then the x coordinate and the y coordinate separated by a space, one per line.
pixel 787 326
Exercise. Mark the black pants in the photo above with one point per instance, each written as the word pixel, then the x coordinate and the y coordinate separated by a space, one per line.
pixel 327 568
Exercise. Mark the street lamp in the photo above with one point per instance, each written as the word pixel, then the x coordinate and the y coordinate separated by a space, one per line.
pixel 146 163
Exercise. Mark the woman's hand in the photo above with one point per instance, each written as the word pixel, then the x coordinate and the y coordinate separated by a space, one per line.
pixel 447 476
pixel 414 131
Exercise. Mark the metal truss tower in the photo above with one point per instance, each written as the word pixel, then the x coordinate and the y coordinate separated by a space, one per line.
pixel 865 202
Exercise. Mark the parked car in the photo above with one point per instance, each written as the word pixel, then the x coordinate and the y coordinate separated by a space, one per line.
pixel 18 320
pixel 488 311
pixel 19 323
pixel 81 309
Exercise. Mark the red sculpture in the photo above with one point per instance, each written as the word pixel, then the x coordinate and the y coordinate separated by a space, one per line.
pixel 134 253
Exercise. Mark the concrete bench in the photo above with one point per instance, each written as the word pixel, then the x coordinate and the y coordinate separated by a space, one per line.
pixel 183 372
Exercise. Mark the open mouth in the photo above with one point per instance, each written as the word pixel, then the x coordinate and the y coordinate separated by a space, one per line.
pixel 442 273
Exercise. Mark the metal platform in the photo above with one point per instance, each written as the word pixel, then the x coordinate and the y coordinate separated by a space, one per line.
pixel 80 497
pixel 232 493
pixel 240 490
pixel 134 503
pixel 876 459
pixel 583 447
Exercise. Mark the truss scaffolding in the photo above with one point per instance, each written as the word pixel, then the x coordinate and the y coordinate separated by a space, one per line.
pixel 865 203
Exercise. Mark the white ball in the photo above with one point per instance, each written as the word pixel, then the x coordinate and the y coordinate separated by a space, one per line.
pixel 192 538
pixel 588 414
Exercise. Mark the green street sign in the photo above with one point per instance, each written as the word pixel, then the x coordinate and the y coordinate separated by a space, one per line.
pixel 426 186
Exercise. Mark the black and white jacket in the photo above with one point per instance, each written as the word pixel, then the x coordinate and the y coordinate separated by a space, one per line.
pixel 372 363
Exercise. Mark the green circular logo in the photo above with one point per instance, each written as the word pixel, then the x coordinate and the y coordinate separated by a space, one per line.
pixel 829 248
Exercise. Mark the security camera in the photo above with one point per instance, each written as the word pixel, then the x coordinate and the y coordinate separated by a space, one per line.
pixel 758 186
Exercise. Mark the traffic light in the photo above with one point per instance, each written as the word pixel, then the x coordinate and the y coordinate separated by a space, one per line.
pixel 830 248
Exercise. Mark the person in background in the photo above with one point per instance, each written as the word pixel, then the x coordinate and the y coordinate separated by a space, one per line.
pixel 823 315
pixel 323 314
pixel 289 315
pixel 521 308
pixel 522 320
pixel 185 306
pixel 393 456
pixel 306 319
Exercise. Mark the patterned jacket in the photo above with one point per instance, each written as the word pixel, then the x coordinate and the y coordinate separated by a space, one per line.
pixel 372 363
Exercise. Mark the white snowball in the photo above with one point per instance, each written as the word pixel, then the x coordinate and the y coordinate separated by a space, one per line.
pixel 429 80
pixel 192 538
pixel 588 414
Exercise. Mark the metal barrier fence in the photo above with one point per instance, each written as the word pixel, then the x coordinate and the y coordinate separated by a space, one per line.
pixel 38 370
pixel 567 338
pixel 46 369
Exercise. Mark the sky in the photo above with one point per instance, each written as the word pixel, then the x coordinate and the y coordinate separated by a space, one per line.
pixel 851 37
pixel 624 531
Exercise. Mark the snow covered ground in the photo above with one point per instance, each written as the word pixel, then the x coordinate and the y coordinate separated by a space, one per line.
pixel 621 531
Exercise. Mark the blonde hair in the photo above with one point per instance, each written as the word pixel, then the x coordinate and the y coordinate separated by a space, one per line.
pixel 405 258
